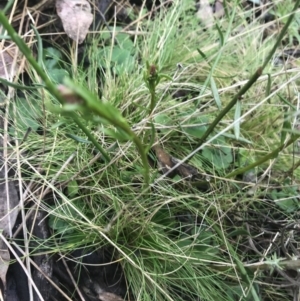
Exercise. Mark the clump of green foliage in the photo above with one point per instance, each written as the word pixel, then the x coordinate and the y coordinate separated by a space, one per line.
pixel 174 240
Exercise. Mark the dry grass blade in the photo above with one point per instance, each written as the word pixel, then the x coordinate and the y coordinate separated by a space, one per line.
pixel 9 209
pixel 22 265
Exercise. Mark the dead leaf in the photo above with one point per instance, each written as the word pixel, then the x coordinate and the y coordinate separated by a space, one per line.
pixel 166 162
pixel 76 18
pixel 205 13
pixel 186 171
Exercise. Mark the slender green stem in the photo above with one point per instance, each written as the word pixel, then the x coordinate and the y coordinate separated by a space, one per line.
pixel 262 160
pixel 281 35
pixel 238 96
pixel 48 84
pixel 152 79
pixel 40 46
pixel 152 101
pixel 143 154
pixel 8 6
pixel 20 87
pixel 251 81
pixel 220 52
pixel 109 113
pixel 152 132
pixel 126 128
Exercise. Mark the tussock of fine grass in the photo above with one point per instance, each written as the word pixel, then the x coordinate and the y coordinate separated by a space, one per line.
pixel 166 238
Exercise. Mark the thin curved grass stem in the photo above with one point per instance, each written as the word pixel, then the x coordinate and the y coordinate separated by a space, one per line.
pixel 49 85
pixel 251 81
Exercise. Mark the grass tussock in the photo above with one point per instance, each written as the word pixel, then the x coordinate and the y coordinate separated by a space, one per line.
pixel 174 239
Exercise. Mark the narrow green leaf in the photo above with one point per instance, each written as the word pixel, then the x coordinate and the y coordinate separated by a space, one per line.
pixel 20 87
pixel 103 109
pixel 77 138
pixel 237 115
pixel 203 55
pixel 241 139
pixel 220 34
pixel 215 93
pixel 8 6
pixel 225 5
pixel 107 111
pixel 49 85
pixel 40 46
pixel 286 102
pixel 237 232
pixel 152 136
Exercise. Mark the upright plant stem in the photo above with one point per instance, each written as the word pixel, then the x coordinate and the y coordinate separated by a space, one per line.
pixel 49 85
pixel 153 101
pixel 94 108
pixel 251 81
pixel 262 160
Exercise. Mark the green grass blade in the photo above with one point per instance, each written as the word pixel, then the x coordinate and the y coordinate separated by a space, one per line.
pixel 285 101
pixel 48 84
pixel 20 87
pixel 40 46
pixel 215 92
pixel 105 110
pixel 220 35
pixel 237 115
pixel 204 56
